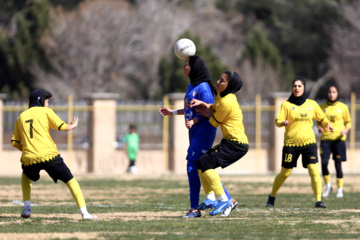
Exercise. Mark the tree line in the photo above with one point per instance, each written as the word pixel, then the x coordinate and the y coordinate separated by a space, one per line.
pixel 126 46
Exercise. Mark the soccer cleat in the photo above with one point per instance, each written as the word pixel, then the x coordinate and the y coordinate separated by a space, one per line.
pixel 220 207
pixel 339 193
pixel 89 216
pixel 193 213
pixel 26 213
pixel 271 201
pixel 206 204
pixel 327 192
pixel 320 204
pixel 228 210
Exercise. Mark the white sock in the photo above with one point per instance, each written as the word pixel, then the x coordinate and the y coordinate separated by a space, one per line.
pixel 328 185
pixel 84 211
pixel 211 196
pixel 27 203
pixel 223 197
pixel 339 190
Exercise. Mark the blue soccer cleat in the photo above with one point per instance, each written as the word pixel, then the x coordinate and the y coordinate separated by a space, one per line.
pixel 221 206
pixel 206 204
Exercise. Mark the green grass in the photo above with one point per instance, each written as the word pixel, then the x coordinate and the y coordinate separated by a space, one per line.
pixel 151 208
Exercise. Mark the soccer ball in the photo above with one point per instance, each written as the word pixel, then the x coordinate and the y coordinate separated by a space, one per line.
pixel 184 48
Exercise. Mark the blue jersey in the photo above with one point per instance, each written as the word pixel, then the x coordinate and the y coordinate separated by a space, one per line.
pixel 202 134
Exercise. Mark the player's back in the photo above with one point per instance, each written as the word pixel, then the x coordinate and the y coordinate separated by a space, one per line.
pixel 33 131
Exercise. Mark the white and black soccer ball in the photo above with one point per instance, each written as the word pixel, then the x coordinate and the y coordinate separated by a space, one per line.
pixel 184 48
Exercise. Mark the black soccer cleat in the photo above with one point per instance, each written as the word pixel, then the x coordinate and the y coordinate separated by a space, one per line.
pixel 270 202
pixel 320 204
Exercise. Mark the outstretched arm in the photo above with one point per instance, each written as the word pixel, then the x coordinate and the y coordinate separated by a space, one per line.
pixel 165 111
pixel 73 124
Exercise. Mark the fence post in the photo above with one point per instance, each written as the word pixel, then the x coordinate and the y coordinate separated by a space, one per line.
pixel 352 130
pixel 102 133
pixel 70 133
pixel 2 97
pixel 166 137
pixel 276 134
pixel 179 140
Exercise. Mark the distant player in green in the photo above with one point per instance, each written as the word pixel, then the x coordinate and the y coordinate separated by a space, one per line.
pixel 334 142
pixel 296 115
pixel 131 141
pixel 39 152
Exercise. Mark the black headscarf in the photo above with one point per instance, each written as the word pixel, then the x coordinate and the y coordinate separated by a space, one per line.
pixel 298 100
pixel 199 73
pixel 38 97
pixel 234 85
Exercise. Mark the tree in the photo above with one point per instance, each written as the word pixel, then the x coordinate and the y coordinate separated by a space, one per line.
pixel 261 66
pixel 117 46
pixel 19 47
pixel 345 54
pixel 299 29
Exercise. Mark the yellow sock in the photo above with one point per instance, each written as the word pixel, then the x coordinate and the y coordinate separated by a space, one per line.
pixel 327 179
pixel 204 183
pixel 26 187
pixel 315 180
pixel 340 182
pixel 279 180
pixel 76 192
pixel 214 181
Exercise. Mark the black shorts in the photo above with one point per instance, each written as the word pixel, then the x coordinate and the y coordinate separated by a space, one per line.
pixel 56 168
pixel 337 148
pixel 290 155
pixel 222 155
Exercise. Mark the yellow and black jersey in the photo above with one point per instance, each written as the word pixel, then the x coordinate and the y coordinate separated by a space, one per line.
pixel 339 117
pixel 32 135
pixel 227 113
pixel 300 130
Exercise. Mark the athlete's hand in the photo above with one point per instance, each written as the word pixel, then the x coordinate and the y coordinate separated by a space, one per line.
pixel 73 124
pixel 285 123
pixel 330 128
pixel 75 121
pixel 189 124
pixel 165 111
pixel 320 129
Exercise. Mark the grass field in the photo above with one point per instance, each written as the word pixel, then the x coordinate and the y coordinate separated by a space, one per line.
pixel 142 207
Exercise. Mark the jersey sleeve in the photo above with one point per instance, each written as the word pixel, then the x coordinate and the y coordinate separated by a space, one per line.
pixel 55 121
pixel 281 115
pixel 220 114
pixel 319 115
pixel 16 137
pixel 346 116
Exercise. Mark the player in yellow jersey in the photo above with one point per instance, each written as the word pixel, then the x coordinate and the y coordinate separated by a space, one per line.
pixel 226 113
pixel 296 115
pixel 39 152
pixel 334 142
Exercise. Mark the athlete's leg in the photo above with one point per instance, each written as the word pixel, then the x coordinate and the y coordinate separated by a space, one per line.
pixel 26 187
pixel 76 192
pixel 314 173
pixel 279 180
pixel 339 179
pixel 194 183
pixel 26 191
pixel 214 181
pixel 204 183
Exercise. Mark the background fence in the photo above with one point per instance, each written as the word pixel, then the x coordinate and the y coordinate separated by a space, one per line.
pixel 258 121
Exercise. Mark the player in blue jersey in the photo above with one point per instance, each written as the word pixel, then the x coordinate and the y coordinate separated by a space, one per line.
pixel 201 132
